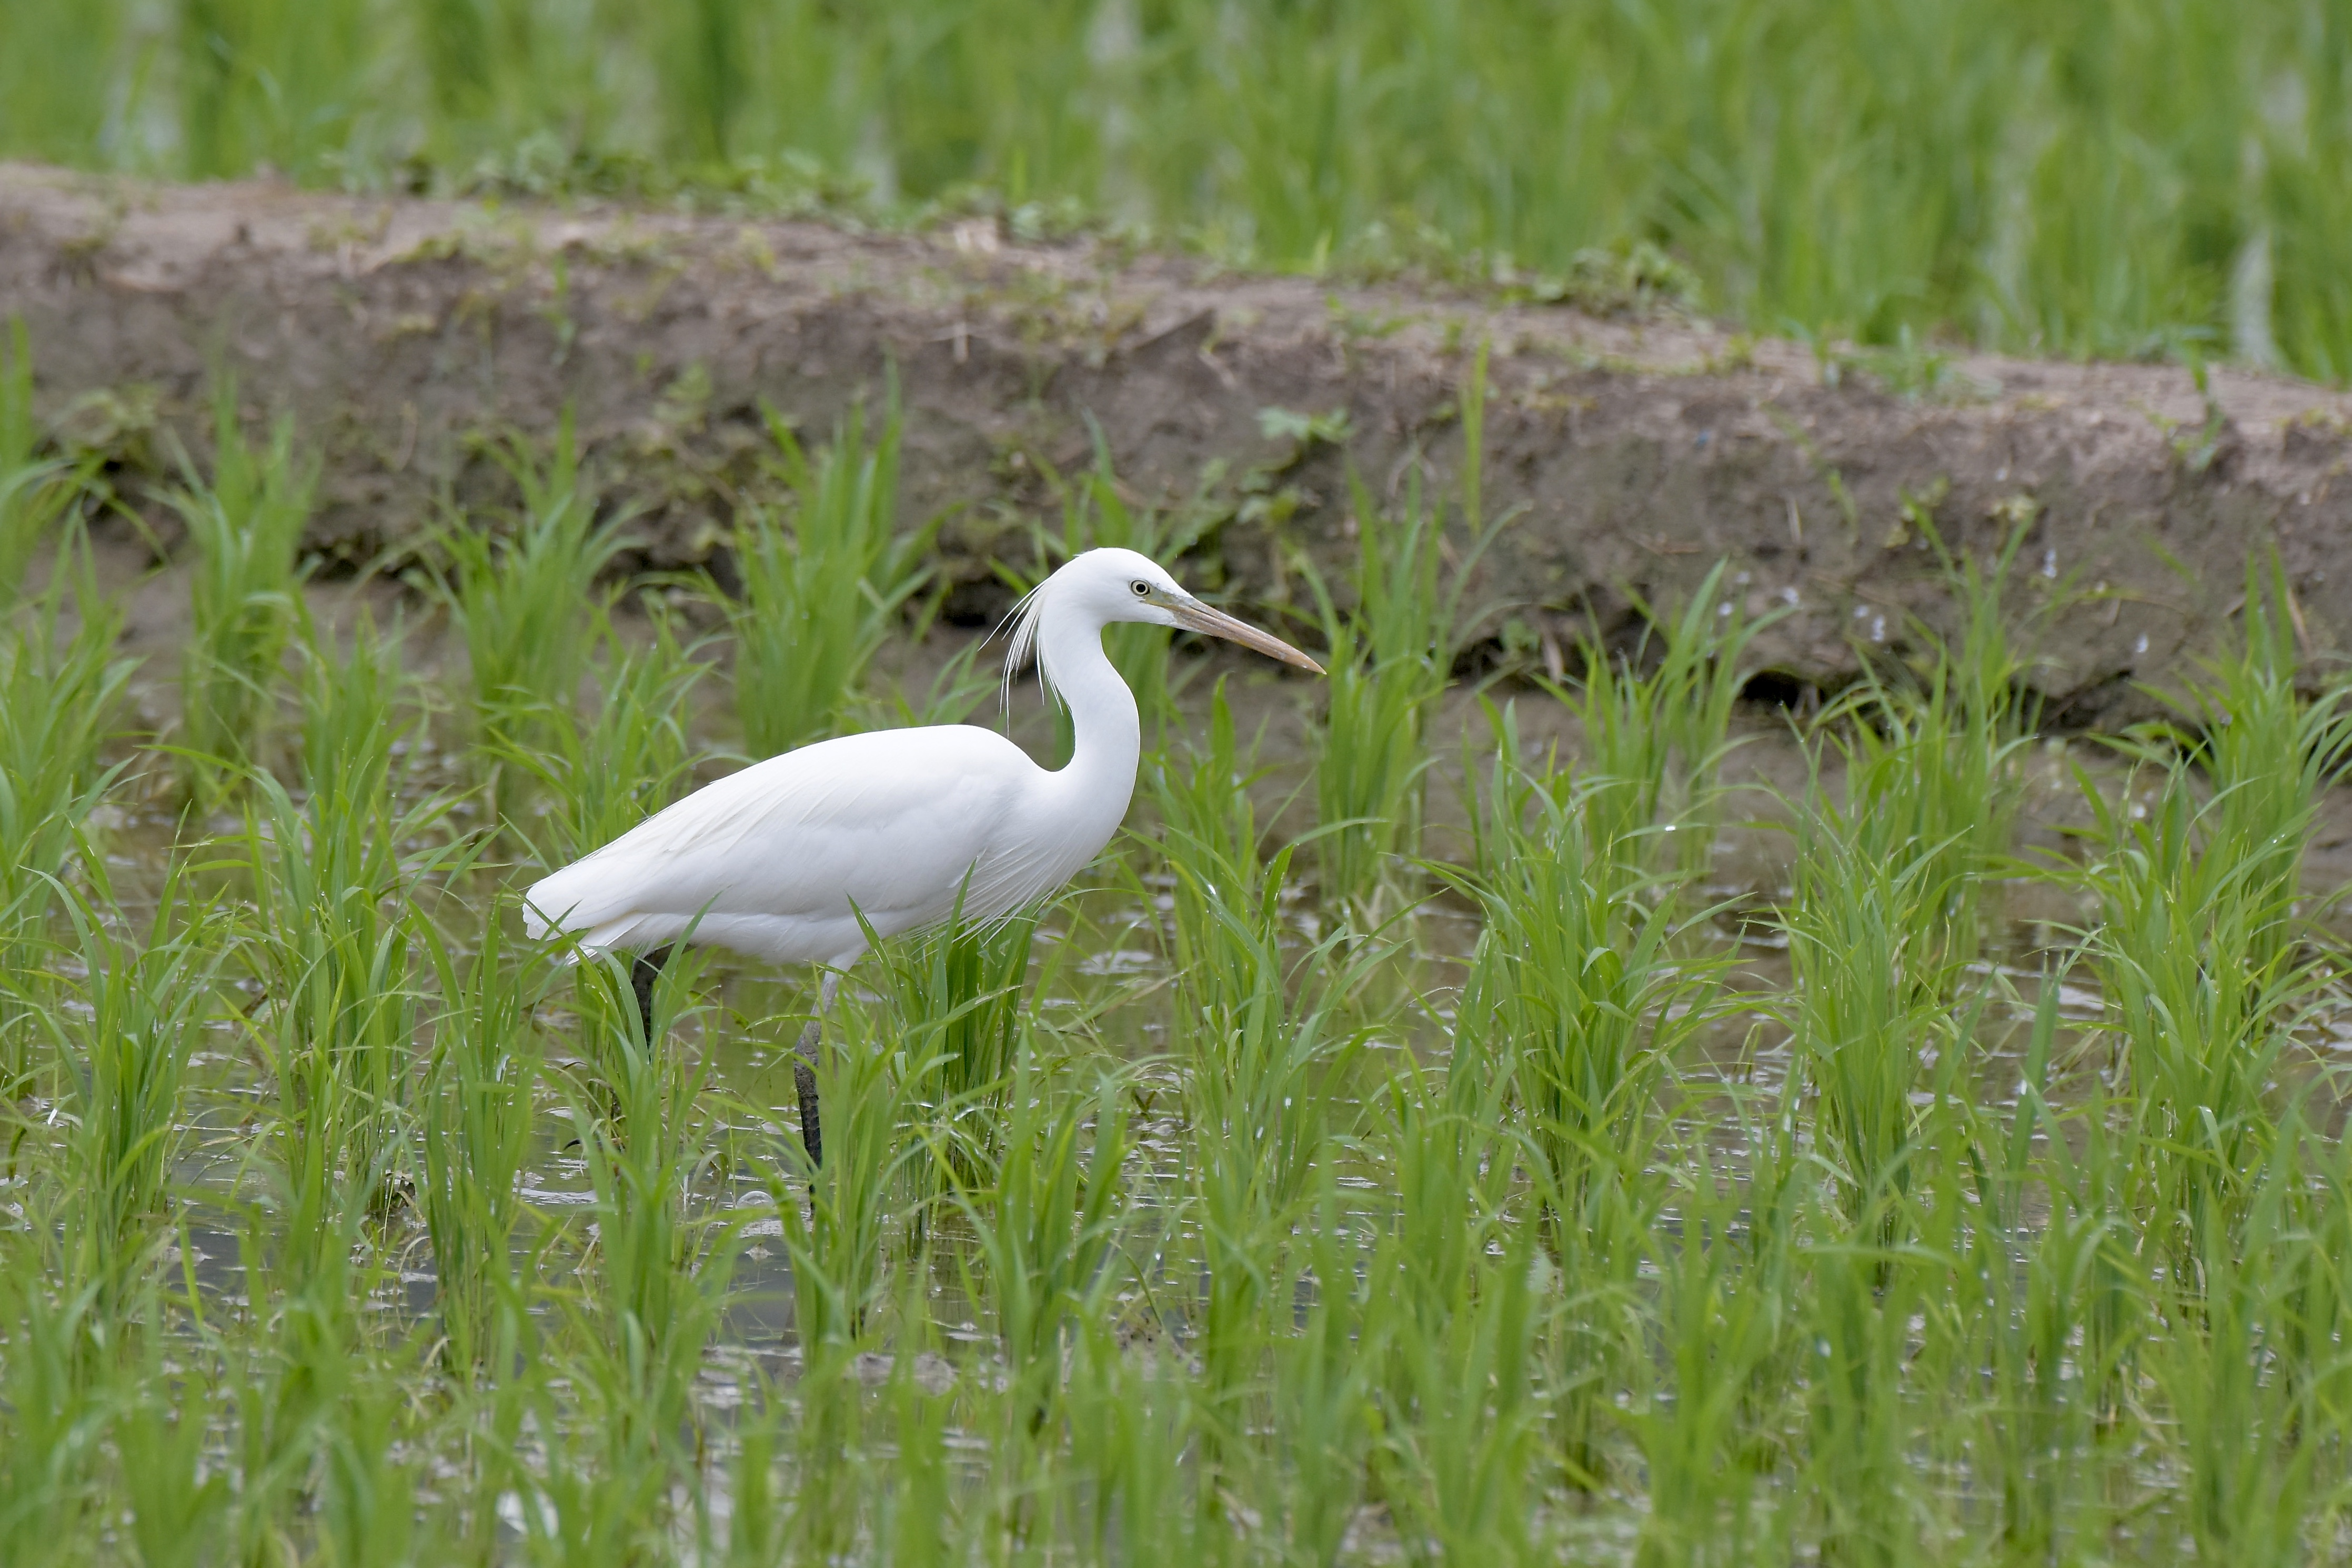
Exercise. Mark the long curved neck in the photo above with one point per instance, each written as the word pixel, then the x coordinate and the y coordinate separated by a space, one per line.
pixel 1101 770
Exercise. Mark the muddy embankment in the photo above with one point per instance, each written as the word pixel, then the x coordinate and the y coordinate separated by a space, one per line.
pixel 1630 452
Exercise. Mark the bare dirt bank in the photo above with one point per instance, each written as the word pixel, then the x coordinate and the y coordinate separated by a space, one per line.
pixel 1634 453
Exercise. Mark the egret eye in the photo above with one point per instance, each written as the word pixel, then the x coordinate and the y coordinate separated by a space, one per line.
pixel 1142 589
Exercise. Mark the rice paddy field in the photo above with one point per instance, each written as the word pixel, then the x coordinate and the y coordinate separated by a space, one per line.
pixel 1454 1122
pixel 2170 179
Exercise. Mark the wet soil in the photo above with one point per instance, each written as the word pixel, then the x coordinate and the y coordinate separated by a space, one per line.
pixel 1628 452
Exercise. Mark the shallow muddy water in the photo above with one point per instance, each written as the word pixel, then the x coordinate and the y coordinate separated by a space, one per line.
pixel 1104 1003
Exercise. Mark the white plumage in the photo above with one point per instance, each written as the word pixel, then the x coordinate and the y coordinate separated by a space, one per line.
pixel 779 861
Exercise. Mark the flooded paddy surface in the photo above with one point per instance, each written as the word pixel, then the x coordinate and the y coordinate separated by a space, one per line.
pixel 1702 1206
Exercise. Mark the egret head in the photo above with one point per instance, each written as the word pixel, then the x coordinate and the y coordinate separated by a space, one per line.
pixel 1111 585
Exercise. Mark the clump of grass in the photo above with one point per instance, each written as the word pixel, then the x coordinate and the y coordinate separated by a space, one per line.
pixel 476 1121
pixel 1575 992
pixel 125 1051
pixel 1720 1319
pixel 820 599
pixel 842 1242
pixel 34 491
pixel 1264 1038
pixel 334 937
pixel 1654 745
pixel 1392 657
pixel 244 599
pixel 2201 996
pixel 2270 755
pixel 1047 1226
pixel 520 600
pixel 62 688
pixel 56 1420
pixel 657 1289
pixel 957 995
pixel 599 778
pixel 1206 811
pixel 1934 764
pixel 1867 1001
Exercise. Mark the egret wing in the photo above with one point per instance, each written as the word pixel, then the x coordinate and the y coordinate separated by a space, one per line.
pixel 893 821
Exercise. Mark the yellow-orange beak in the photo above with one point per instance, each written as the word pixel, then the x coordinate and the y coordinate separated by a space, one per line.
pixel 1194 616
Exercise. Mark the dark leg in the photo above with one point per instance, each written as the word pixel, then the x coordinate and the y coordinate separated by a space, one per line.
pixel 804 1081
pixel 645 968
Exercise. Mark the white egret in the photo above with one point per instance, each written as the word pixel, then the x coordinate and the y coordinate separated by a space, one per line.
pixel 901 827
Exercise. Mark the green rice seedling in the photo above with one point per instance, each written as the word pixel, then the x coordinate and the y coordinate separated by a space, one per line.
pixel 1386 674
pixel 598 778
pixel 1859 1431
pixel 579 1511
pixel 519 600
pixel 1574 993
pixel 1047 1230
pixel 302 1359
pixel 2202 996
pixel 52 1418
pixel 755 1525
pixel 1256 1052
pixel 819 600
pixel 840 1243
pixel 1868 1010
pixel 1937 762
pixel 1224 901
pixel 60 693
pixel 1206 810
pixel 830 1486
pixel 335 946
pixel 61 689
pixel 2088 1270
pixel 1262 1067
pixel 956 995
pixel 656 1286
pixel 34 491
pixel 1654 745
pixel 177 1502
pixel 369 1477
pixel 2270 755
pixel 125 1048
pixel 920 1515
pixel 2034 1423
pixel 245 603
pixel 1392 658
pixel 1451 1306
pixel 1323 1391
pixel 2244 1432
pixel 1720 1320
pixel 354 719
pixel 1134 1420
pixel 653 1288
pixel 476 1117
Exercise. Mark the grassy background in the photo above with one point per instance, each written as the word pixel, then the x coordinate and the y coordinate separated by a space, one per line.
pixel 2101 178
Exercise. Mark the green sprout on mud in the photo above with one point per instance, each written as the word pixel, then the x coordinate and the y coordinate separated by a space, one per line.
pixel 822 596
pixel 245 605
